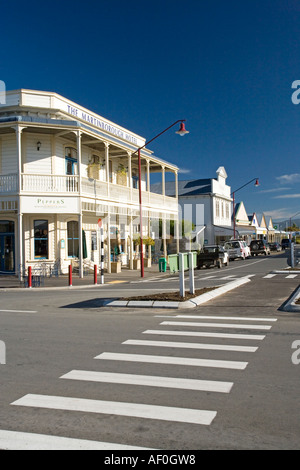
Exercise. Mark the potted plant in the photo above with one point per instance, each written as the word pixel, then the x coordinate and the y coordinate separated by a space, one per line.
pixel 147 241
pixel 122 175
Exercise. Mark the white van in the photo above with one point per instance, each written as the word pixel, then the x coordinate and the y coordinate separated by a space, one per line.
pixel 236 249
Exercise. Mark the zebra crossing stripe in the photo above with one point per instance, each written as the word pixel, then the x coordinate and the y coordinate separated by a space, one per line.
pixel 217 317
pixel 13 440
pixel 218 325
pixel 137 410
pixel 149 380
pixel 204 334
pixel 291 276
pixel 171 344
pixel 269 276
pixel 186 361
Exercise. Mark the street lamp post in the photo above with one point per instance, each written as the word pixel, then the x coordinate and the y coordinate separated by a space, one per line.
pixel 291 224
pixel 233 200
pixel 182 131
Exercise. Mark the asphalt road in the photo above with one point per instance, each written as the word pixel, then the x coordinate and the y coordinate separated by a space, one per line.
pixel 179 383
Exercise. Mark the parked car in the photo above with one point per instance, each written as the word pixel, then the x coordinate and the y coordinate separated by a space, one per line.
pixel 236 249
pixel 212 255
pixel 274 246
pixel 247 249
pixel 285 243
pixel 259 247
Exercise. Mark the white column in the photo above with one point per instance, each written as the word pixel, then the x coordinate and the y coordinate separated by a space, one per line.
pixel 20 259
pixel 130 175
pixel 19 130
pixel 163 181
pixel 148 174
pixel 78 135
pixel 176 184
pixel 131 242
pixel 78 138
pixel 107 166
pixel 108 243
pixel 80 244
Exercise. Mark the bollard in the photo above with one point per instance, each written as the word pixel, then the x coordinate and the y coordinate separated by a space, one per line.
pixel 181 275
pixel 191 273
pixel 95 274
pixel 29 277
pixel 70 275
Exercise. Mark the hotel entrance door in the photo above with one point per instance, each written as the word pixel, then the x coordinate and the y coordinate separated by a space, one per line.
pixel 7 247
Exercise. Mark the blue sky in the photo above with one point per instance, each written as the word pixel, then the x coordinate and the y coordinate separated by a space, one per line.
pixel 226 66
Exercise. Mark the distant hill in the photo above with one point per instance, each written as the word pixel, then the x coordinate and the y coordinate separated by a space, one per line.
pixel 286 223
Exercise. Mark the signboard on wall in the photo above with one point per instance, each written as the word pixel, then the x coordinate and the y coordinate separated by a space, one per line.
pixel 49 205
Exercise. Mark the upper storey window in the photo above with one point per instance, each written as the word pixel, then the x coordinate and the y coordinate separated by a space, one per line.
pixel 71 161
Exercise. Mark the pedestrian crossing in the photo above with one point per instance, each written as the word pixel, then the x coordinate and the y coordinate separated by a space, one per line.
pixel 185 352
pixel 213 277
pixel 288 276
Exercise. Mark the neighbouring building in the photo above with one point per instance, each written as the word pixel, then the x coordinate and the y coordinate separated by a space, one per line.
pixel 64 171
pixel 207 203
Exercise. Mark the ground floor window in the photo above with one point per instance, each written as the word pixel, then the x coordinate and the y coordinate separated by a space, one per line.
pixel 41 239
pixel 73 239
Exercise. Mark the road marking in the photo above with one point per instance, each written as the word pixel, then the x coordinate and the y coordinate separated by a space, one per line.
pixel 269 276
pixel 137 410
pixel 228 277
pixel 116 282
pixel 13 440
pixel 218 325
pixel 291 276
pixel 173 360
pixel 19 311
pixel 204 334
pixel 217 317
pixel 150 381
pixel 206 277
pixel 171 344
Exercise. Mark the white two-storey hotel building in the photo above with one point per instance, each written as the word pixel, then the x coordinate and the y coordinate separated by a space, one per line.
pixel 62 169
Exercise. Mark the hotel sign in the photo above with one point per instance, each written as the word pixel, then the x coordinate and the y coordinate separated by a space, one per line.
pixel 96 121
pixel 49 205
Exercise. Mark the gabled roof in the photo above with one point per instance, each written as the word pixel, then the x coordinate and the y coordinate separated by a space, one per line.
pixel 241 216
pixel 185 188
pixel 253 220
pixel 269 222
pixel 261 220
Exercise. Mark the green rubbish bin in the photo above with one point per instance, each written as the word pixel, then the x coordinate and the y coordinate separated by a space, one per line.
pixel 162 264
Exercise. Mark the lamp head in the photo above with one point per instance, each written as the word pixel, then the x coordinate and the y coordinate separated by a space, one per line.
pixel 182 130
pixel 256 182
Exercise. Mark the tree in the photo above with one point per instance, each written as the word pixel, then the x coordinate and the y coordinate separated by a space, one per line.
pixel 187 227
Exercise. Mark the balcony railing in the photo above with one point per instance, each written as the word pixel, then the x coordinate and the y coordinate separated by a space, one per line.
pixel 101 190
pixel 50 183
pixel 8 183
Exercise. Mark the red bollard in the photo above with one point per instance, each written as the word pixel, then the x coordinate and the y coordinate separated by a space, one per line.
pixel 95 274
pixel 70 275
pixel 29 277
